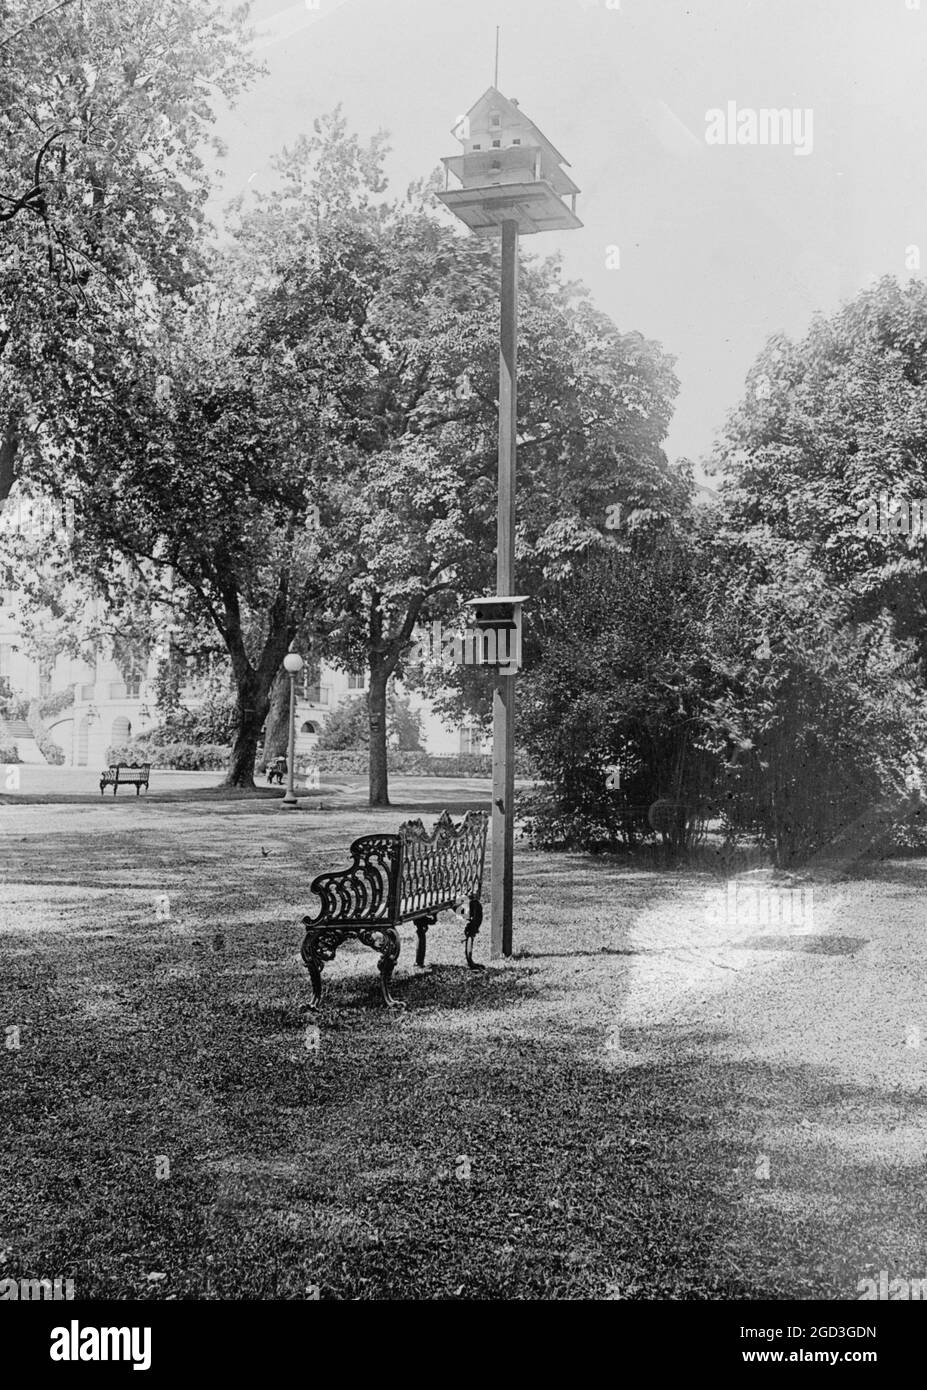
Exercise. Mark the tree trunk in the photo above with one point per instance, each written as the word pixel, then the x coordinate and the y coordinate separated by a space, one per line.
pixel 253 704
pixel 276 737
pixel 379 783
pixel 8 447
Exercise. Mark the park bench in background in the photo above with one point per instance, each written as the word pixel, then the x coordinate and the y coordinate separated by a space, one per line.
pixel 407 877
pixel 276 771
pixel 125 774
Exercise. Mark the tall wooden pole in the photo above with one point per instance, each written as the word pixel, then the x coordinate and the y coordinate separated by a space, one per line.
pixel 503 704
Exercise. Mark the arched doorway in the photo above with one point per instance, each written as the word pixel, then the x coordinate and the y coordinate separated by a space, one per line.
pixel 309 728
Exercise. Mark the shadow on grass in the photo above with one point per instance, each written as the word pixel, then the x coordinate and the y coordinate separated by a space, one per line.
pixel 177 1128
pixel 410 1156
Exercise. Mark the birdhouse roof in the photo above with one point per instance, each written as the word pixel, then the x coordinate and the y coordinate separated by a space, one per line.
pixel 493 97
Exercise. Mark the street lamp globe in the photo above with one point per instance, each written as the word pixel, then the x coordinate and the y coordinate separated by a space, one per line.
pixel 293 662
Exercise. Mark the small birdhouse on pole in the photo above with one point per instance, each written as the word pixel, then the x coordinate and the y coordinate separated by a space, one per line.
pixel 508 171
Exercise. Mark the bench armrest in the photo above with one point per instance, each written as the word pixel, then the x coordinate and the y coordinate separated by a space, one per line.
pixel 367 891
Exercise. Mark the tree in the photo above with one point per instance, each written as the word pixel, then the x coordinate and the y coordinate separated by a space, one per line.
pixel 349 725
pixel 200 457
pixel 395 317
pixel 106 110
pixel 308 446
pixel 828 428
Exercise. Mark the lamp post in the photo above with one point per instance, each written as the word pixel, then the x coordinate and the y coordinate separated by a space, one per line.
pixel 293 663
pixel 512 183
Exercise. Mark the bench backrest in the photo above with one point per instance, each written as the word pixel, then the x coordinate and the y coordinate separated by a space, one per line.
pixel 444 866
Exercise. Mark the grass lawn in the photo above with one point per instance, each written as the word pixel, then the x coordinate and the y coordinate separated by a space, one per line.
pixel 174 1126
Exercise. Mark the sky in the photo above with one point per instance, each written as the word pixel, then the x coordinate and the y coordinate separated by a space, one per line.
pixel 719 245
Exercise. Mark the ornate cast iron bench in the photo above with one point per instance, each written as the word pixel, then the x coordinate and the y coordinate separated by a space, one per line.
pixel 407 877
pixel 125 774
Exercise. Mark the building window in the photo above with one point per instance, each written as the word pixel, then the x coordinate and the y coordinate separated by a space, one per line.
pixel 471 739
pixel 357 680
pixel 477 147
pixel 516 142
pixel 495 120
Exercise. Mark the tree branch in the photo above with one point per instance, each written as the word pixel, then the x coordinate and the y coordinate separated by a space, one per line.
pixel 46 14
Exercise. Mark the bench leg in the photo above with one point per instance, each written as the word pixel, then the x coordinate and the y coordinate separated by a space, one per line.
pixel 386 941
pixel 474 923
pixel 319 945
pixel 421 926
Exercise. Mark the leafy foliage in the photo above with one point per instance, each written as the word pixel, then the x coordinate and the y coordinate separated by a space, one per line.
pixel 349 724
pixel 829 427
pixel 827 715
pixel 184 757
pixel 105 109
pixel 622 679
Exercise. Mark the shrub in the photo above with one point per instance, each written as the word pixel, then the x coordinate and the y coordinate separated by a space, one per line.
pixel 14 706
pixel 181 757
pixel 355 762
pixel 9 753
pixel 622 679
pixel 49 749
pixel 55 704
pixel 348 728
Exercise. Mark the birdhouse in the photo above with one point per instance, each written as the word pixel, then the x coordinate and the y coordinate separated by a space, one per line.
pixel 499 620
pixel 508 171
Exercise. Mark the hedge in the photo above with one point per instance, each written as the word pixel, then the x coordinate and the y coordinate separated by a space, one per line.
pixel 183 757
pixel 214 757
pixel 355 762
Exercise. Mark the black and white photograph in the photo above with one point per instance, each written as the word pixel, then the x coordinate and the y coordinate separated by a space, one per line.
pixel 463 672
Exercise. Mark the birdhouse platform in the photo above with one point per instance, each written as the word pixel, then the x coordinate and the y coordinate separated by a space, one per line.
pixel 534 206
